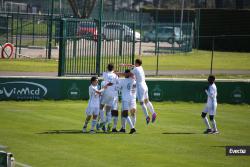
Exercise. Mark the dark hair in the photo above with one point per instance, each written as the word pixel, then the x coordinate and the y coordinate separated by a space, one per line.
pixel 127 71
pixel 138 61
pixel 211 78
pixel 93 79
pixel 110 66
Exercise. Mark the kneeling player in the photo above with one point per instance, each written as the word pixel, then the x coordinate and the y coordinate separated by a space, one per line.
pixel 211 106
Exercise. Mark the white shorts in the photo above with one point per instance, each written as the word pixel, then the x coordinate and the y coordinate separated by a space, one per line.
pixel 142 92
pixel 128 105
pixel 115 104
pixel 92 110
pixel 210 109
pixel 107 99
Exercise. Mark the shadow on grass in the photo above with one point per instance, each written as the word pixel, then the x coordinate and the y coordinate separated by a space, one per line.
pixel 179 133
pixel 73 131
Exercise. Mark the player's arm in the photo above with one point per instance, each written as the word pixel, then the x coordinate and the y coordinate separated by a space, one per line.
pixel 102 89
pixel 127 65
pixel 120 74
pixel 210 92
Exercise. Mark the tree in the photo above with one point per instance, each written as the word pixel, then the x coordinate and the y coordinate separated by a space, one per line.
pixel 87 7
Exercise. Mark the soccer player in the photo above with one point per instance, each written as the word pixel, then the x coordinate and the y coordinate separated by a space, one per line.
pixel 210 107
pixel 108 96
pixel 142 90
pixel 114 108
pixel 128 91
pixel 93 104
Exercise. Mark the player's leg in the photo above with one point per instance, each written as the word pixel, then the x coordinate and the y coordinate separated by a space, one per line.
pixel 205 120
pixel 140 96
pixel 127 118
pixel 88 113
pixel 115 119
pixel 133 111
pixel 93 124
pixel 148 103
pixel 114 113
pixel 94 120
pixel 212 113
pixel 151 109
pixel 123 116
pixel 123 122
pixel 108 118
pixel 102 117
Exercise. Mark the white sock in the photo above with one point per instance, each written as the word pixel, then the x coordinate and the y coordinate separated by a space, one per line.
pixel 206 123
pixel 102 115
pixel 214 125
pixel 108 117
pixel 123 122
pixel 93 124
pixel 150 107
pixel 130 122
pixel 144 109
pixel 133 119
pixel 115 122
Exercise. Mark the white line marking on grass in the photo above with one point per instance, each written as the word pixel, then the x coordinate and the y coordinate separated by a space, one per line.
pixel 23 165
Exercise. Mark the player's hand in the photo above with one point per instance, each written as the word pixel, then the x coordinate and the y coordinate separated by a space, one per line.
pixel 206 91
pixel 109 84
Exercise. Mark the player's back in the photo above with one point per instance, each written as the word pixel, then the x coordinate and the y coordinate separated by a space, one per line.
pixel 128 88
pixel 139 74
pixel 110 77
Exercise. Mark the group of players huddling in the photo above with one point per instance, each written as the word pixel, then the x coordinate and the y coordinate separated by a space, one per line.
pixel 105 100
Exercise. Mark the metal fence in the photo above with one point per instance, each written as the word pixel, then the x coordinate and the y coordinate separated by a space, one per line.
pixel 29 31
pixel 87 46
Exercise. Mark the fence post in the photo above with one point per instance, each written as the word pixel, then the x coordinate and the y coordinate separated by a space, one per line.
pixel 20 38
pixel 7 31
pixel 140 45
pixel 133 46
pixel 99 42
pixel 17 32
pixel 12 27
pixel 51 28
pixel 33 29
pixel 212 57
pixel 62 47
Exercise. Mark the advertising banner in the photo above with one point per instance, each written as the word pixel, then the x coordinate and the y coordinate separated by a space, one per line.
pixel 21 88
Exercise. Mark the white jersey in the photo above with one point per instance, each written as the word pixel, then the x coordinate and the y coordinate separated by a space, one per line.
pixel 110 77
pixel 128 89
pixel 142 88
pixel 139 74
pixel 212 95
pixel 94 98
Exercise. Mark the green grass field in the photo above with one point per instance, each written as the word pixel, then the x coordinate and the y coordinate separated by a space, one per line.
pixel 196 60
pixel 199 60
pixel 48 133
pixel 28 65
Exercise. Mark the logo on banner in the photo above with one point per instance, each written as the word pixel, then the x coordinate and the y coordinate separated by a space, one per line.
pixel 22 90
pixel 157 93
pixel 74 92
pixel 237 95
